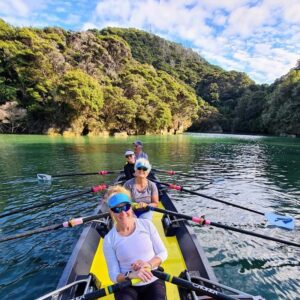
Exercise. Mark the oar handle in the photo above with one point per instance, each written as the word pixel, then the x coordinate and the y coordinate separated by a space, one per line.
pixel 191 285
pixel 107 290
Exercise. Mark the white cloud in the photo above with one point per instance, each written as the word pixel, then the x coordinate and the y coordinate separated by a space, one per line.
pixel 292 11
pixel 260 37
pixel 245 21
pixel 247 36
pixel 17 7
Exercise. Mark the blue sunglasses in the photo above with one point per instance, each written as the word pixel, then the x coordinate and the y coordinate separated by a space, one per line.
pixel 119 209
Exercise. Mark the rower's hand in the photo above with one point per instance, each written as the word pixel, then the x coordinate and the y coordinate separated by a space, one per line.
pixel 142 205
pixel 139 264
pixel 143 274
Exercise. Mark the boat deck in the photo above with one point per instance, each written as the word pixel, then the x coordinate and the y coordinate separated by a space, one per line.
pixel 174 264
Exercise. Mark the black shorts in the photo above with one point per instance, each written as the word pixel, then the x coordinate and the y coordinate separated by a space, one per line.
pixel 153 291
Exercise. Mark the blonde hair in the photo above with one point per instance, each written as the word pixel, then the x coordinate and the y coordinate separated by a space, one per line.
pixel 116 189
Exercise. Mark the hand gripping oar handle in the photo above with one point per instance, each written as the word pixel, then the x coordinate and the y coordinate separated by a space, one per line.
pixel 111 289
pixel 203 221
pixel 94 189
pixel 70 223
pixel 191 286
pixel 107 290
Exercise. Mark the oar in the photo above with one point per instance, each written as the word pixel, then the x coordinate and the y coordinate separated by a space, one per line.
pixel 172 173
pixel 111 289
pixel 191 286
pixel 202 221
pixel 70 223
pixel 94 189
pixel 163 276
pixel 284 221
pixel 46 177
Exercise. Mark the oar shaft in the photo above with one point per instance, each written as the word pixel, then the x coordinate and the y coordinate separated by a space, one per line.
pixel 95 217
pixel 74 174
pixel 86 174
pixel 169 212
pixel 221 201
pixel 179 188
pixel 60 199
pixel 15 211
pixel 191 286
pixel 70 223
pixel 254 234
pixel 31 232
pixel 107 291
pixel 202 221
pixel 171 172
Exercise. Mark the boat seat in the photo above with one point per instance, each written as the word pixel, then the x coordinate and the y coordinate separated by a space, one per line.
pixel 170 224
pixel 103 226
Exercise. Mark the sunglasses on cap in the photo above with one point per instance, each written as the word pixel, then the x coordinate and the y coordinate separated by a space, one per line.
pixel 130 155
pixel 119 209
pixel 142 168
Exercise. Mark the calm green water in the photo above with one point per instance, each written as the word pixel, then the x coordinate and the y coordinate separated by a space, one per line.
pixel 260 172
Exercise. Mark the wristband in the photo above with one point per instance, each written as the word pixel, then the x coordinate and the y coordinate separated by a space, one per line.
pixel 126 276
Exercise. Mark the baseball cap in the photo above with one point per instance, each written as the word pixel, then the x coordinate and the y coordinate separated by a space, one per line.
pixel 138 143
pixel 128 152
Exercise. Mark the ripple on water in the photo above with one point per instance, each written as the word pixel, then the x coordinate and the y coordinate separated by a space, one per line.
pixel 259 173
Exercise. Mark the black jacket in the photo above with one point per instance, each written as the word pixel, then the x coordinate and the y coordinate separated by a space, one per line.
pixel 129 171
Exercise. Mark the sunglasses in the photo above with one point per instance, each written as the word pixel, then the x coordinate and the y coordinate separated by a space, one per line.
pixel 119 209
pixel 130 155
pixel 142 168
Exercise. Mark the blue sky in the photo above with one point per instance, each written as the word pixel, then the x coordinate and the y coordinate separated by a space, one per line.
pixel 261 38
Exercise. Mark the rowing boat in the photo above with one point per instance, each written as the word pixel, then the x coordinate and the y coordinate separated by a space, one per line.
pixel 86 269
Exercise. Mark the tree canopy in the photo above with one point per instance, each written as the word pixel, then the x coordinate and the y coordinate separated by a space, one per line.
pixel 128 80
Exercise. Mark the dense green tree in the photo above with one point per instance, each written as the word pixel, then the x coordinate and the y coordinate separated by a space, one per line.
pixel 248 111
pixel 80 92
pixel 282 112
pixel 129 80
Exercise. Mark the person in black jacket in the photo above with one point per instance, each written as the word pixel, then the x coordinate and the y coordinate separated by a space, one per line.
pixel 129 167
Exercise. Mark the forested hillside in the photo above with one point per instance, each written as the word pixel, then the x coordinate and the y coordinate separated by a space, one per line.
pixel 56 81
pixel 239 105
pixel 125 80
